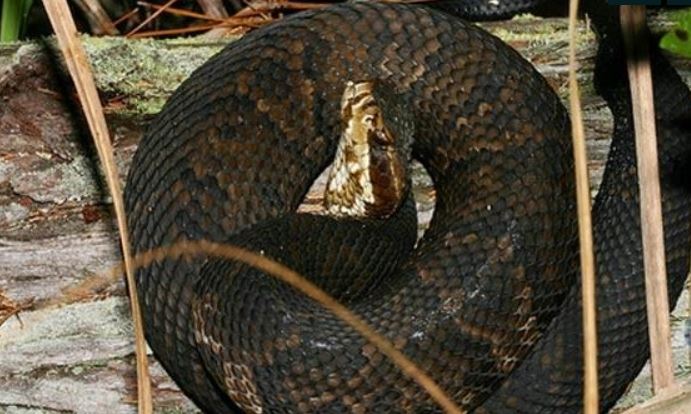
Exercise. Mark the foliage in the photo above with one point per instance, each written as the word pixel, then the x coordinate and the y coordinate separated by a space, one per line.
pixel 13 19
pixel 678 40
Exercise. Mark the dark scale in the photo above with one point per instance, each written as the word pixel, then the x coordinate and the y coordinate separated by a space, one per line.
pixel 487 303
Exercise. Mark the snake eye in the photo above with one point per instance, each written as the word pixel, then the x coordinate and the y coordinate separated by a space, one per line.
pixel 382 137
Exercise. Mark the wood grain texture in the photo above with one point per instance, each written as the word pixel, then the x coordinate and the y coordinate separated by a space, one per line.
pixel 56 232
pixel 672 400
pixel 633 20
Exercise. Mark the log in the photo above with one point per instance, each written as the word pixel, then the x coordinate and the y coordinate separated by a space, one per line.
pixel 673 400
pixel 66 342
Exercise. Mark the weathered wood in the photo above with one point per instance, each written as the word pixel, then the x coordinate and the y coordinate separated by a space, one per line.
pixel 633 22
pixel 73 351
pixel 673 400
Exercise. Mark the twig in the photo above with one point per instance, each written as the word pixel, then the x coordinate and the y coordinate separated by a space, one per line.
pixel 585 232
pixel 150 18
pixel 173 32
pixel 78 66
pixel 263 7
pixel 126 16
pixel 230 23
pixel 640 78
pixel 180 12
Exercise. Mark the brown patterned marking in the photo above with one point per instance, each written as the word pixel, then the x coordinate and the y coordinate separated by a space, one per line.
pixel 240 387
pixel 316 374
pixel 358 408
pixel 206 303
pixel 348 400
pixel 295 63
pixel 410 399
pixel 400 342
pixel 461 122
pixel 530 333
pixel 484 108
pixel 491 337
pixel 366 370
pixel 507 363
pixel 368 350
pixel 289 383
pixel 244 79
pixel 333 379
pixel 298 368
pixel 452 300
pixel 326 397
pixel 525 298
pixel 296 46
pixel 263 105
pixel 296 396
pixel 468 398
pixel 504 354
pixel 355 382
pixel 293 341
pixel 279 344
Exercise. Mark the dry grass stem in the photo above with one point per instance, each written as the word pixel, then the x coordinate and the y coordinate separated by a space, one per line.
pixel 126 16
pixel 80 71
pixel 180 12
pixel 585 227
pixel 235 24
pixel 633 21
pixel 264 7
pixel 150 18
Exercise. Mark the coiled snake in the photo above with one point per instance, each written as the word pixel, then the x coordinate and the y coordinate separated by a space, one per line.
pixel 486 303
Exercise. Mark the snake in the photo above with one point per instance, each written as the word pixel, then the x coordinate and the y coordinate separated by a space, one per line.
pixel 487 302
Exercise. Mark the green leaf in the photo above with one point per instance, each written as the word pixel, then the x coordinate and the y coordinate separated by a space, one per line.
pixel 26 7
pixel 9 20
pixel 13 19
pixel 678 40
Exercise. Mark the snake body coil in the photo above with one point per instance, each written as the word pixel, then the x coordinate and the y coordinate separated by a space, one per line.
pixel 487 301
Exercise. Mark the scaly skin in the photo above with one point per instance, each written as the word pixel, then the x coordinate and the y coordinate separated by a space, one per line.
pixel 240 143
pixel 551 379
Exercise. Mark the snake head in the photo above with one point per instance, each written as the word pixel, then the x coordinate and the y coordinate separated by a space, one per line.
pixel 369 175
